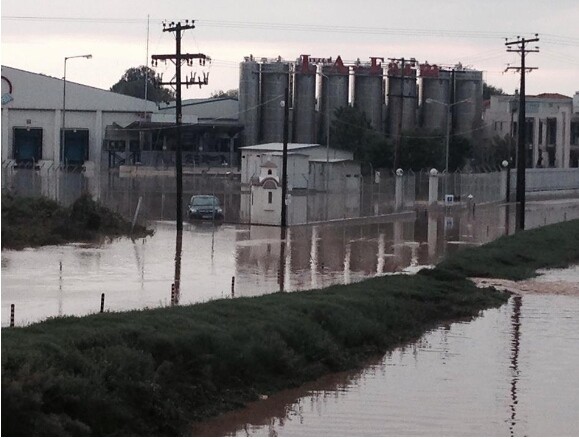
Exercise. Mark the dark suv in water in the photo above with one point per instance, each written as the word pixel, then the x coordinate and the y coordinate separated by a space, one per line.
pixel 204 207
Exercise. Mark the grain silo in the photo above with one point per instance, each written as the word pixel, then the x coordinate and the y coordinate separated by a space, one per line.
pixel 249 100
pixel 304 108
pixel 467 106
pixel 402 97
pixel 274 81
pixel 435 97
pixel 335 92
pixel 369 91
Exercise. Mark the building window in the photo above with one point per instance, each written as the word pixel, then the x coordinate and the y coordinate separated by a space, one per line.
pixel 269 172
pixel 540 132
pixel 270 197
pixel 574 133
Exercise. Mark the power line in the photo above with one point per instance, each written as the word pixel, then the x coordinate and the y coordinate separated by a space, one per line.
pixel 322 28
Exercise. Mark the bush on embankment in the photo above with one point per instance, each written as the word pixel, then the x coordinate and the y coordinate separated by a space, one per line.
pixel 37 221
pixel 518 256
pixel 153 372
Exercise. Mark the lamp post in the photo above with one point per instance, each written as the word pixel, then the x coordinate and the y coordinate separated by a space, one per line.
pixel 448 122
pixel 66 58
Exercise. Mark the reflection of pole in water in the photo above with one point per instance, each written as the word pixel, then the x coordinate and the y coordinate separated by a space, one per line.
pixel 280 272
pixel 178 251
pixel 347 256
pixel 60 291
pixel 288 261
pixel 314 257
pixel 515 349
pixel 381 254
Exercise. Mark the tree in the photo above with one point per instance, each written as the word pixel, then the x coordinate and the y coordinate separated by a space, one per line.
pixel 232 93
pixel 422 149
pixel 132 83
pixel 350 130
pixel 489 90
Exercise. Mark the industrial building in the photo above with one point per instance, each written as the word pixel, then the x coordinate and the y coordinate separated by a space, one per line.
pixel 32 120
pixel 395 97
pixel 105 129
pixel 552 127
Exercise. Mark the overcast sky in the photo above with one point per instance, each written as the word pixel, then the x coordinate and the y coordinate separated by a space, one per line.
pixel 38 34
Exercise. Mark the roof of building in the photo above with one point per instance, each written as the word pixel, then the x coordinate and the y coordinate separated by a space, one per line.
pixel 39 91
pixel 278 146
pixel 551 96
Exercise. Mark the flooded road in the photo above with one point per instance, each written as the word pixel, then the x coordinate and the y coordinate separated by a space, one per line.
pixel 511 372
pixel 227 260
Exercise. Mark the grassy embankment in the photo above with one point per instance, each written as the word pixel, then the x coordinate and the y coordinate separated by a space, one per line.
pixel 153 372
pixel 33 222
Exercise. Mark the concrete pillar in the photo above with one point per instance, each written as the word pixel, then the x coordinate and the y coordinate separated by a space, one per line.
pixel 55 153
pixel 433 188
pixel 432 235
pixel 5 131
pixel 231 151
pixel 95 150
pixel 399 192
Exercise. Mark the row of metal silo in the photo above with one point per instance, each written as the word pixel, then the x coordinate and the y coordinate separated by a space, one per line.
pixel 388 95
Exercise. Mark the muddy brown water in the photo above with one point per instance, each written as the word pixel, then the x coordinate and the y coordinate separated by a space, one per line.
pixel 69 280
pixel 510 372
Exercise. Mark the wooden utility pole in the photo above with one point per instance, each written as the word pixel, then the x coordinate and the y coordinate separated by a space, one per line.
pixel 521 48
pixel 284 159
pixel 178 58
pixel 398 140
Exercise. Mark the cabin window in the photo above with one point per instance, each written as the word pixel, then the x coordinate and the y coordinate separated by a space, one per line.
pixel 269 172
pixel 270 197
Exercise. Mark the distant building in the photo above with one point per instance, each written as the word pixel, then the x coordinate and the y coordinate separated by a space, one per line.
pixel 306 163
pixel 32 119
pixel 106 129
pixel 552 127
pixel 312 170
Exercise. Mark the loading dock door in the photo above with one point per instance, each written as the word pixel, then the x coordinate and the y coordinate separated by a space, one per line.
pixel 75 147
pixel 27 144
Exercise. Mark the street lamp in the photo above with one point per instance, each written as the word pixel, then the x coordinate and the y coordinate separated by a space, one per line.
pixel 448 122
pixel 66 58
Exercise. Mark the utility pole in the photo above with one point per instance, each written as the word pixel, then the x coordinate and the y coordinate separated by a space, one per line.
pixel 284 160
pixel 178 58
pixel 401 109
pixel 521 48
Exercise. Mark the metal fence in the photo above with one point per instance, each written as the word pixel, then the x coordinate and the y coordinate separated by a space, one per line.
pixel 381 193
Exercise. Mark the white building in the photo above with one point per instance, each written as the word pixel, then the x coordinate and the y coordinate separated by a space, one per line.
pixel 266 197
pixel 552 127
pixel 32 120
pixel 306 164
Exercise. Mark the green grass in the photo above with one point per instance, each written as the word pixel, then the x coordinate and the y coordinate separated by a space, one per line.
pixel 518 256
pixel 34 222
pixel 154 372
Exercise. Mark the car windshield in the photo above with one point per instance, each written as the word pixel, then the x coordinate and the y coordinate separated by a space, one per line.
pixel 204 201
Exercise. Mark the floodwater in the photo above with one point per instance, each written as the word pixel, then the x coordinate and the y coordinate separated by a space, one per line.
pixel 221 261
pixel 511 372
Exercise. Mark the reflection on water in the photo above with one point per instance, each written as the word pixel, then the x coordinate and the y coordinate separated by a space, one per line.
pixel 208 258
pixel 511 372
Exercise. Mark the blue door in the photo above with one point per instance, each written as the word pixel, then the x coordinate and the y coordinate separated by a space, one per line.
pixel 27 144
